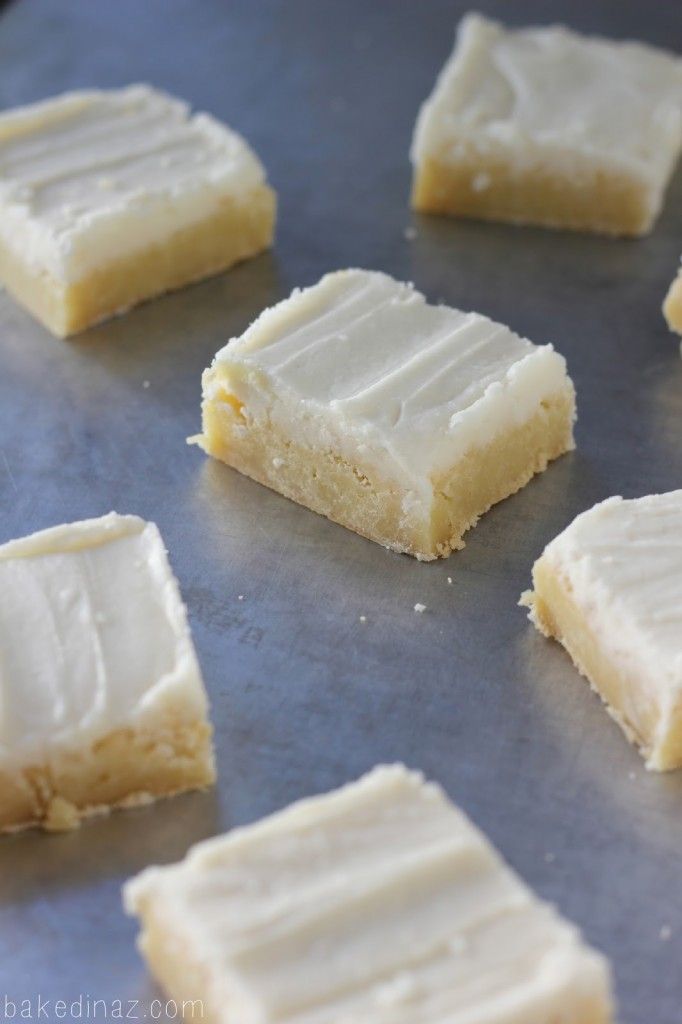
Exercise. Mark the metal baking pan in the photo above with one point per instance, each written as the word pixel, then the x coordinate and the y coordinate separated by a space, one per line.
pixel 305 695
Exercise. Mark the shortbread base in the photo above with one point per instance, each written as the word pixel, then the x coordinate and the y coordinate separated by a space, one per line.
pixel 488 187
pixel 234 232
pixel 181 975
pixel 554 611
pixel 128 767
pixel 357 497
pixel 672 307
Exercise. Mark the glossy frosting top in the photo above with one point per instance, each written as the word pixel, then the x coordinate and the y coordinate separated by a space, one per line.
pixel 623 559
pixel 365 360
pixel 93 635
pixel 537 91
pixel 378 903
pixel 89 176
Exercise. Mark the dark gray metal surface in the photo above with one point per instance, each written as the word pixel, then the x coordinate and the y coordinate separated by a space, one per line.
pixel 305 695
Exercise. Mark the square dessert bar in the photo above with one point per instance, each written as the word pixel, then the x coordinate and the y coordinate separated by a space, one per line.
pixel 110 198
pixel 101 698
pixel 609 588
pixel 672 307
pixel 380 903
pixel 544 126
pixel 403 421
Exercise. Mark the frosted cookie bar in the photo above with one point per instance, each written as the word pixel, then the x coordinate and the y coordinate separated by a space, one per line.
pixel 110 198
pixel 380 903
pixel 672 307
pixel 101 698
pixel 403 421
pixel 609 588
pixel 544 126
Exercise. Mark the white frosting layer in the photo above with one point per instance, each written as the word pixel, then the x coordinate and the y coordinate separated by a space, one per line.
pixel 89 177
pixel 623 562
pixel 360 363
pixel 93 636
pixel 380 903
pixel 541 94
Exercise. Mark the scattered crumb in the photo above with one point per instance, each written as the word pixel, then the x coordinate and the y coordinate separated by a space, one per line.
pixel 420 607
pixel 550 857
pixel 363 618
pixel 277 462
pixel 61 815
pixel 665 933
pixel 410 233
pixel 240 597
pixel 450 580
pixel 145 383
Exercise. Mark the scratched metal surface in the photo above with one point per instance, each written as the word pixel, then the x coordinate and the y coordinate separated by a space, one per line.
pixel 305 695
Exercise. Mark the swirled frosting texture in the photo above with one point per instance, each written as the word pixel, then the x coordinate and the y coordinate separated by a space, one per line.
pixel 90 176
pixel 380 903
pixel 93 635
pixel 361 362
pixel 553 94
pixel 623 561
